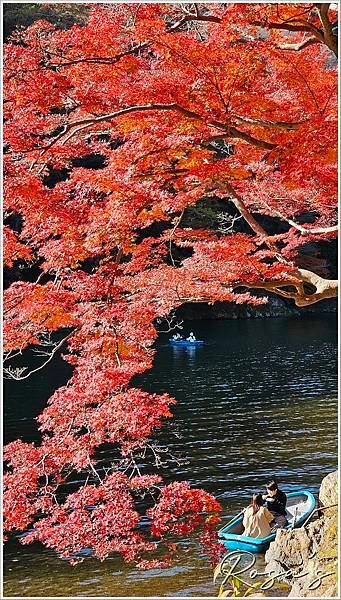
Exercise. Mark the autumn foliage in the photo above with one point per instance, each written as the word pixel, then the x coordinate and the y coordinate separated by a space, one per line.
pixel 112 130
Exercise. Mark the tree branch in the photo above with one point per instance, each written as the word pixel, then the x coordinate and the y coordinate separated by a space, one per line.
pixel 303 26
pixel 194 17
pixel 269 124
pixel 76 126
pixel 322 36
pixel 241 206
pixel 304 230
pixel 301 228
pixel 300 45
pixel 325 288
pixel 16 374
pixel 106 60
pixel 329 38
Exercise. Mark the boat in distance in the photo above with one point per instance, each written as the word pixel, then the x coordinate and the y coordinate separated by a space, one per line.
pixel 185 343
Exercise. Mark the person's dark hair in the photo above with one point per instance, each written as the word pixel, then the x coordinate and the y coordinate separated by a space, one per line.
pixel 256 502
pixel 272 485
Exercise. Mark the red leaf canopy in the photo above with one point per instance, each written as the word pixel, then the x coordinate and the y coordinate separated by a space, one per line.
pixel 231 101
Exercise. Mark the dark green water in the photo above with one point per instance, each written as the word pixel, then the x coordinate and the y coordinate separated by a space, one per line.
pixel 258 400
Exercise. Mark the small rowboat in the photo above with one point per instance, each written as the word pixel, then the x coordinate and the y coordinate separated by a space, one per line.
pixel 299 506
pixel 185 343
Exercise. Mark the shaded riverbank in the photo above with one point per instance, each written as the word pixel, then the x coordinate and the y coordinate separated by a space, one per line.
pixel 275 307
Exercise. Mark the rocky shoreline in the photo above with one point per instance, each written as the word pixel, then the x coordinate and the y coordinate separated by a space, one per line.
pixel 275 307
pixel 309 554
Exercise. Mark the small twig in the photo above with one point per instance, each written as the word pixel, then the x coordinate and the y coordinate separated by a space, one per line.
pixel 317 510
pixel 171 324
pixel 94 470
pixel 172 233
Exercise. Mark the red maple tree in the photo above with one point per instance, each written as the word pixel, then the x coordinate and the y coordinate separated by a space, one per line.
pixel 113 130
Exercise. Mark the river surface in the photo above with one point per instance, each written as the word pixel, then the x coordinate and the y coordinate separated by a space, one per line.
pixel 258 400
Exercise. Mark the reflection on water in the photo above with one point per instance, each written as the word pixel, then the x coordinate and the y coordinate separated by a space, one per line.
pixel 258 400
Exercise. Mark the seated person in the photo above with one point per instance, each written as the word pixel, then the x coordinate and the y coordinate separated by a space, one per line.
pixel 177 336
pixel 191 337
pixel 257 518
pixel 276 501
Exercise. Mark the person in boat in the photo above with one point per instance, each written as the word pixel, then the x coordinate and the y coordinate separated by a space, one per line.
pixel 177 336
pixel 191 337
pixel 276 501
pixel 257 518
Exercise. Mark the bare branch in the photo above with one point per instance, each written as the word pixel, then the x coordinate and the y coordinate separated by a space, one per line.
pixel 194 17
pixel 172 323
pixel 104 60
pixel 304 230
pixel 95 472
pixel 301 228
pixel 227 222
pixel 302 26
pixel 177 223
pixel 17 373
pixel 300 45
pixel 324 288
pixel 241 206
pixel 269 124
pixel 322 36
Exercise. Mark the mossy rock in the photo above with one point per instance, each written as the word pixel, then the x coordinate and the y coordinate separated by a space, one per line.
pixel 329 542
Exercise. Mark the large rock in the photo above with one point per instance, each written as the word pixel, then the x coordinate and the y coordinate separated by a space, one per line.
pixel 328 491
pixel 306 557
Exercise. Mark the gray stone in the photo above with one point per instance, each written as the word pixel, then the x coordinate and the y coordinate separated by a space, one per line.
pixel 306 557
pixel 329 489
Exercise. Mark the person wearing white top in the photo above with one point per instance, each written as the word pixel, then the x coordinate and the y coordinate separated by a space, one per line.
pixel 191 337
pixel 177 336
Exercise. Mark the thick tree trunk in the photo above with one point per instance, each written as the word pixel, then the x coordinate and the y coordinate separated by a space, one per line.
pixel 324 288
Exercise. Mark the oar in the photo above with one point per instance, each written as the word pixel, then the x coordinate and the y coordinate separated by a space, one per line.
pixel 317 510
pixel 235 517
pixel 294 518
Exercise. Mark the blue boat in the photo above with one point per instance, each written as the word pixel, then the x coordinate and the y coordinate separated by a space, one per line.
pixel 186 343
pixel 299 506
